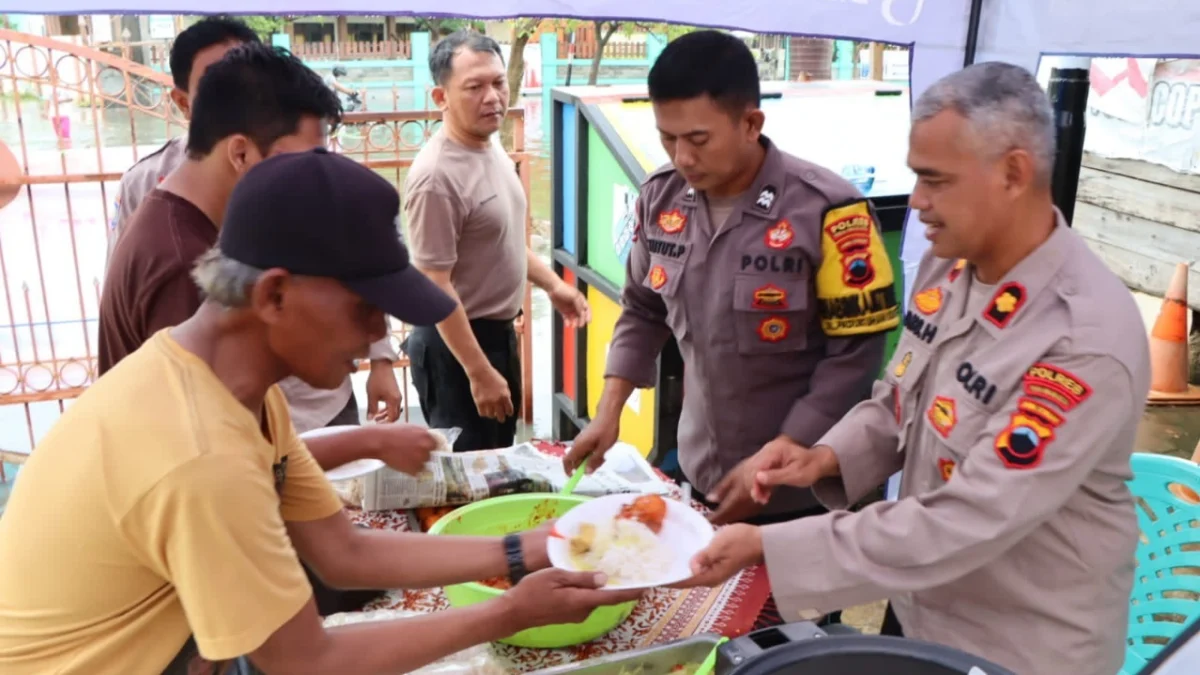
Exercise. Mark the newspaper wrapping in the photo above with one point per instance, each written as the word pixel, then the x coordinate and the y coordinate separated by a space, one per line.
pixel 459 478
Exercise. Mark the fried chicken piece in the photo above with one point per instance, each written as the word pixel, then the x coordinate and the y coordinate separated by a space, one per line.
pixel 649 510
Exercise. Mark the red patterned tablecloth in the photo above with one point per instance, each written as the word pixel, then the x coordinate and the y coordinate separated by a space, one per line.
pixel 662 616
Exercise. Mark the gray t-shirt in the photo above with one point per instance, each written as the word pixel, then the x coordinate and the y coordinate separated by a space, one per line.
pixel 465 209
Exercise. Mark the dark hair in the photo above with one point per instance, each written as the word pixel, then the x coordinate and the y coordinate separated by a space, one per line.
pixel 441 59
pixel 339 71
pixel 707 63
pixel 209 31
pixel 261 92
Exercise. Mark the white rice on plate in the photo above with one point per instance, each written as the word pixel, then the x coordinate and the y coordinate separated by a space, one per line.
pixel 628 552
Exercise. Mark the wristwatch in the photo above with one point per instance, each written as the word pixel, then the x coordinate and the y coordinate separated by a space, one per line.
pixel 515 558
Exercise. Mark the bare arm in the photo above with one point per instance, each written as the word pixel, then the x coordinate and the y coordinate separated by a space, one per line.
pixel 334 450
pixel 346 556
pixel 303 646
pixel 539 273
pixel 456 330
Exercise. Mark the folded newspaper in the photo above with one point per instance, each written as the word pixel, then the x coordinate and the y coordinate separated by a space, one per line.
pixel 462 477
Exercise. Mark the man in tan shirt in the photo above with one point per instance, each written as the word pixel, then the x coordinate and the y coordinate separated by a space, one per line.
pixel 465 210
pixel 1011 404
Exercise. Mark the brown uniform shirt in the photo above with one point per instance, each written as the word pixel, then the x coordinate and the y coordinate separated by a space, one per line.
pixel 465 210
pixel 148 285
pixel 780 313
pixel 1014 422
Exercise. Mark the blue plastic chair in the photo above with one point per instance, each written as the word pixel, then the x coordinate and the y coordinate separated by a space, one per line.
pixel 1166 584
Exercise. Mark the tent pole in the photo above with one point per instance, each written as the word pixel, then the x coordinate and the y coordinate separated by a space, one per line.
pixel 1068 91
pixel 972 32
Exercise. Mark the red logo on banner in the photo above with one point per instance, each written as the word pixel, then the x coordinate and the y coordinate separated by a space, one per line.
pixel 1103 84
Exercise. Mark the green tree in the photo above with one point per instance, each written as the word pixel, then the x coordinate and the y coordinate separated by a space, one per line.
pixel 520 32
pixel 606 29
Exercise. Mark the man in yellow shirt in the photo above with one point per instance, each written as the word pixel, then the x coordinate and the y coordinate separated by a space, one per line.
pixel 158 526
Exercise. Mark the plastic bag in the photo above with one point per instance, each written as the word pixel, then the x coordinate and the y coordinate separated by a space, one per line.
pixel 477 660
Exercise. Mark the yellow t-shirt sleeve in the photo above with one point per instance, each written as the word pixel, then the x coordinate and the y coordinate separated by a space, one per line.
pixel 212 528
pixel 306 493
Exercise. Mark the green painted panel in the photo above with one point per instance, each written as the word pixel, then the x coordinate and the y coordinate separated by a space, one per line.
pixel 892 242
pixel 610 212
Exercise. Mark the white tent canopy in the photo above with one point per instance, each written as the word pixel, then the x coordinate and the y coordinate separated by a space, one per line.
pixel 1017 31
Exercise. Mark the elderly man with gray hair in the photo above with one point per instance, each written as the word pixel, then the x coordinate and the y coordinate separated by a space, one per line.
pixel 1011 405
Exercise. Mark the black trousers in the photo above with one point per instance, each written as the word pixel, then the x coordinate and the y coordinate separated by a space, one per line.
pixel 332 600
pixel 444 390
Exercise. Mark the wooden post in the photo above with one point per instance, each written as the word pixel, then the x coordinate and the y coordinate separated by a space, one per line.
pixel 876 61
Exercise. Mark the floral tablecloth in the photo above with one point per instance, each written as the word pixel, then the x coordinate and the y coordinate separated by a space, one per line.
pixel 662 615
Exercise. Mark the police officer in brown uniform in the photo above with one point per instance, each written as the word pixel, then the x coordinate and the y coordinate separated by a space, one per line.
pixel 768 270
pixel 1011 404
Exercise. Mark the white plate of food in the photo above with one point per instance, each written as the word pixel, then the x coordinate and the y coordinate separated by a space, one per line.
pixel 638 541
pixel 349 470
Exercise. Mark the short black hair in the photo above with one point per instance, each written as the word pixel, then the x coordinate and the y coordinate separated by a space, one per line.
pixel 209 31
pixel 707 63
pixel 441 59
pixel 259 91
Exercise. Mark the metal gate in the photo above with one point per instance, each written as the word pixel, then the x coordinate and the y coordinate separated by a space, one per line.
pixel 72 119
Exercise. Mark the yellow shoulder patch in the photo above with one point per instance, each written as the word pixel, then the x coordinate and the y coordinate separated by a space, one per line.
pixel 856 290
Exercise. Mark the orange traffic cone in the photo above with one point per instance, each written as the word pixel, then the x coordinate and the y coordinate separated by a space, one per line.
pixel 1169 347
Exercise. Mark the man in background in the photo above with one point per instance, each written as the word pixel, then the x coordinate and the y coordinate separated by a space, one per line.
pixel 199 46
pixel 465 208
pixel 192 52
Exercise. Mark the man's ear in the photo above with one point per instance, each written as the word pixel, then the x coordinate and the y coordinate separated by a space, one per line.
pixel 1019 171
pixel 268 295
pixel 180 97
pixel 438 96
pixel 755 120
pixel 241 153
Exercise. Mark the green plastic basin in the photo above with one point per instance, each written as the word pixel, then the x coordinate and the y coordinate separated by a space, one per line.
pixel 517 513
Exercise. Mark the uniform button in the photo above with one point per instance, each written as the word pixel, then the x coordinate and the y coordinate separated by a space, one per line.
pixel 1068 288
pixel 810 175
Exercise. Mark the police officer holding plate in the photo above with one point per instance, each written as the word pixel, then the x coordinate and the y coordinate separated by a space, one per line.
pixel 1011 404
pixel 769 271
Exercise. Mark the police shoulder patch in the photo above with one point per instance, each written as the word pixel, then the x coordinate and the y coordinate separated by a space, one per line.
pixel 856 290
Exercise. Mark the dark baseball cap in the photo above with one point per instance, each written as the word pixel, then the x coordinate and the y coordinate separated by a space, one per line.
pixel 320 214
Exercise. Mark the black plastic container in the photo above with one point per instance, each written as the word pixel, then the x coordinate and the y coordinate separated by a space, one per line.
pixel 805 649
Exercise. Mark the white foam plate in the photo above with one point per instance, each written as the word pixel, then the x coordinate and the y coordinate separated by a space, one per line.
pixel 684 532
pixel 349 470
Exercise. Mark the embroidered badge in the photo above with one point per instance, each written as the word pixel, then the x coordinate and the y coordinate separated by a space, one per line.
pixel 1058 386
pixel 658 277
pixel 773 329
pixel 1005 304
pixel 852 236
pixel 770 297
pixel 780 236
pixel 902 367
pixel 672 221
pixel 956 270
pixel 856 293
pixel 1022 444
pixel 943 415
pixel 946 468
pixel 928 301
pixel 766 198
